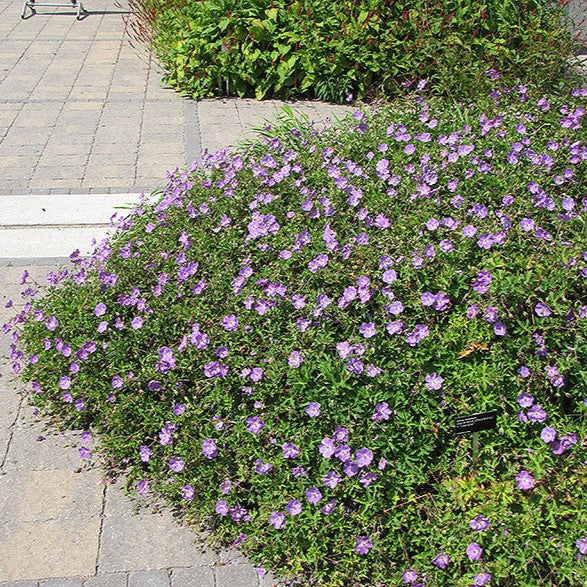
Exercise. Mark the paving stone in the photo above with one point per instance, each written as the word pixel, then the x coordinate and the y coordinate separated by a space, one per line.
pixel 61 583
pixel 193 577
pixel 236 575
pixel 56 451
pixel 58 547
pixel 108 580
pixel 146 542
pixel 29 496
pixel 155 578
pixel 19 584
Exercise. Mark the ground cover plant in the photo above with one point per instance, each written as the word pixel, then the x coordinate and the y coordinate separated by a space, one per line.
pixel 279 344
pixel 330 50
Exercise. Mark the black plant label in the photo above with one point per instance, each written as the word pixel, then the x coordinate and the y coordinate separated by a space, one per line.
pixel 476 422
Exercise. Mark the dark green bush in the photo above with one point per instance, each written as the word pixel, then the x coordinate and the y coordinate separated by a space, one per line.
pixel 381 278
pixel 330 50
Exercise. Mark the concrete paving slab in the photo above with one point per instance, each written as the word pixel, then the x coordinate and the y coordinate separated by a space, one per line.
pixel 193 577
pixel 61 583
pixel 57 548
pixel 34 449
pixel 144 542
pixel 109 580
pixel 236 575
pixel 40 496
pixel 154 578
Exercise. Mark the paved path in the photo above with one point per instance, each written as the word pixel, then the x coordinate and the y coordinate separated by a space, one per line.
pixel 83 113
pixel 86 126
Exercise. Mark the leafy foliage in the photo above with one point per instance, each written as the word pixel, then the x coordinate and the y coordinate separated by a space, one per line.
pixel 329 50
pixel 280 342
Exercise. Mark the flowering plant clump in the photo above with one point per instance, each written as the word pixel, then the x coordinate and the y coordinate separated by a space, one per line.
pixel 328 50
pixel 280 343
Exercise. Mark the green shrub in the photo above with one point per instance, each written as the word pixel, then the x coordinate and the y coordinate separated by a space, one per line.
pixel 280 342
pixel 329 50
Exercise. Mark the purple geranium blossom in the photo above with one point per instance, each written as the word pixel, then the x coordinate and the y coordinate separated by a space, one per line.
pixel 255 425
pixel 221 507
pixel 479 523
pixel 481 579
pixel 293 507
pixel 209 449
pixel 187 492
pixel 290 450
pixel 327 447
pixel 542 310
pixel 176 464
pixel 277 520
pixel 313 409
pixel 145 453
pixel 230 322
pixel 474 551
pixel 364 457
pixel 441 560
pixel 548 434
pixel 524 480
pixel 363 545
pixel 434 381
pixel 295 359
pixel 313 495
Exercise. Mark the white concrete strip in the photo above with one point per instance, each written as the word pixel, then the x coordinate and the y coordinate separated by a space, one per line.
pixel 62 210
pixel 39 242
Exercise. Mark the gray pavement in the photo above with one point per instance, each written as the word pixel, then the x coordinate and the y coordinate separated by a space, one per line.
pixel 85 127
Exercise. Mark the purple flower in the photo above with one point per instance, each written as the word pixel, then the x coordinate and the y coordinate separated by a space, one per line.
pixel 434 381
pixel 364 457
pixel 84 452
pixel 382 412
pixel 222 507
pixel 176 464
pixel 100 309
pixel 343 453
pixel 187 492
pixel 525 400
pixel 367 329
pixel 331 479
pixel 351 468
pixel 474 551
pixel 441 560
pixel 290 450
pixel 137 323
pixel 581 544
pixel 363 545
pixel 117 382
pixel 482 579
pixel 277 520
pixel 427 298
pixel 178 409
pixel 355 366
pixel 255 425
pixel 329 507
pixel 142 486
pixel 327 447
pixel 145 453
pixel 548 434
pixel 542 310
pixel 479 523
pixel 313 495
pixel 313 409
pixel 499 328
pixel 295 359
pixel 293 507
pixel 409 576
pixel 230 322
pixel 64 382
pixel 524 480
pixel 209 449
pixel 262 468
pixel 523 371
pixel 536 413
